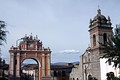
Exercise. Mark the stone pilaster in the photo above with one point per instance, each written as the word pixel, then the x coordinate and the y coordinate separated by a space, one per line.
pixel 43 65
pixel 25 45
pixel 18 65
pixel 48 64
pixel 12 63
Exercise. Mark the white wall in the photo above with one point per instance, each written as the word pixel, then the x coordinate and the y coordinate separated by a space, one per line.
pixel 105 68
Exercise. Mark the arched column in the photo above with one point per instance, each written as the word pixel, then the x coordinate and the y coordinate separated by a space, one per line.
pixel 11 63
pixel 40 78
pixel 48 64
pixel 38 59
pixel 18 65
pixel 43 65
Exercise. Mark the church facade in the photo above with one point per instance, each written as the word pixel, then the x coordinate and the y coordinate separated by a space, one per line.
pixel 91 65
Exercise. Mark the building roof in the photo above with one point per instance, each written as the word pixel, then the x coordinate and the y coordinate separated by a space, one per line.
pixel 64 66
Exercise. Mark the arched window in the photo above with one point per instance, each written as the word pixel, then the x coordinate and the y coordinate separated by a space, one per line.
pixel 104 38
pixel 77 79
pixel 94 40
pixel 88 57
pixel 73 78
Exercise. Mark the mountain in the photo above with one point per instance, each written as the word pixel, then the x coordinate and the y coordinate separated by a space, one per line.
pixel 64 63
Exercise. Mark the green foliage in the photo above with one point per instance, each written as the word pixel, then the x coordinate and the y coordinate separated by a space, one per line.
pixel 112 48
pixel 110 76
pixel 90 77
pixel 3 32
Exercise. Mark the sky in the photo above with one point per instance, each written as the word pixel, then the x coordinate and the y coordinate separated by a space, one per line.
pixel 61 25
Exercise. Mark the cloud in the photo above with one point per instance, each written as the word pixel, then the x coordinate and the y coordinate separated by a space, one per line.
pixel 68 55
pixel 69 51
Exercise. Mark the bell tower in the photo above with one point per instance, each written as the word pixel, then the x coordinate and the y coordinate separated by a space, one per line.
pixel 100 29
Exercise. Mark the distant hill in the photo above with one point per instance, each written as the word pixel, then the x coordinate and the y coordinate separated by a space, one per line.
pixel 64 63
pixel 57 63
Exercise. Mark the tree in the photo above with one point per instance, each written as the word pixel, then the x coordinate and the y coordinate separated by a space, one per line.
pixel 3 32
pixel 110 76
pixel 90 77
pixel 111 49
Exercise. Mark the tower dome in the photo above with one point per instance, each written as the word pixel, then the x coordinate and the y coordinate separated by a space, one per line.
pixel 99 16
pixel 100 20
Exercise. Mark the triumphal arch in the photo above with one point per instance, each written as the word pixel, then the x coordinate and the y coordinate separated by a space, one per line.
pixel 29 47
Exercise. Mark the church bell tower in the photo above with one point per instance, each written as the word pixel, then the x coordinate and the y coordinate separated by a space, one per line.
pixel 100 29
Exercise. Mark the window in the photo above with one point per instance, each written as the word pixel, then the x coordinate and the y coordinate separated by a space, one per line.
pixel 94 40
pixel 88 57
pixel 104 38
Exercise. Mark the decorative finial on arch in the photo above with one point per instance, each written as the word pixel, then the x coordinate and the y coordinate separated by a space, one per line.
pixel 25 35
pixel 31 37
pixel 31 34
pixel 36 37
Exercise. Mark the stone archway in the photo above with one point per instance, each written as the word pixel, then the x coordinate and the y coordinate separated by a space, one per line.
pixel 30 69
pixel 30 47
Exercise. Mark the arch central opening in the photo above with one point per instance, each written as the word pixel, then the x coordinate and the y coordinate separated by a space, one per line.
pixel 30 69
